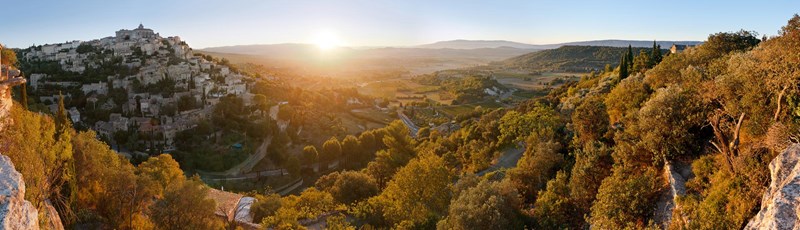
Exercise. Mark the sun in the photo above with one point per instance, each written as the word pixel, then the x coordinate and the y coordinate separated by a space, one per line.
pixel 327 40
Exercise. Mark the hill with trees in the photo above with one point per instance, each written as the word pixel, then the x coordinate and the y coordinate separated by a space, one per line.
pixel 567 59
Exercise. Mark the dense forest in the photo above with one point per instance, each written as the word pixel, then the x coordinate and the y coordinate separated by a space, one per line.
pixel 594 153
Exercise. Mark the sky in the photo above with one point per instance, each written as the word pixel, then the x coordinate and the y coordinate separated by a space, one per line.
pixel 206 23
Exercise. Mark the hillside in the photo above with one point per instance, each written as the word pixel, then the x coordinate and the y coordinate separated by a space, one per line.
pixel 634 43
pixel 567 59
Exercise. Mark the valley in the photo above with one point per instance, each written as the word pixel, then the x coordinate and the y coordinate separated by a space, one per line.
pixel 295 115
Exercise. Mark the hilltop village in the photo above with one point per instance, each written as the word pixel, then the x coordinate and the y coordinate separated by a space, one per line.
pixel 135 81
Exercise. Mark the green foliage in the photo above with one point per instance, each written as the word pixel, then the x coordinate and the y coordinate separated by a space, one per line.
pixel 590 120
pixel 264 206
pixel 722 198
pixel 667 121
pixel 489 205
pixel 186 207
pixel 331 150
pixel 625 199
pixel 348 187
pixel 515 127
pixel 540 162
pixel 310 204
pixel 592 164
pixel 310 155
pixel 350 149
pixel 626 98
pixel 44 159
pixel 418 194
pixel 554 208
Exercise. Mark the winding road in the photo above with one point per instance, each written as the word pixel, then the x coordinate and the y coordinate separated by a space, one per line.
pixel 411 126
pixel 509 159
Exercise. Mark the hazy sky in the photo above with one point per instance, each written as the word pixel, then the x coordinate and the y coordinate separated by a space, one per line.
pixel 205 23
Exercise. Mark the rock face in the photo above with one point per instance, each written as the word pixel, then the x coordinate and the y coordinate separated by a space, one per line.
pixel 5 98
pixel 15 211
pixel 781 203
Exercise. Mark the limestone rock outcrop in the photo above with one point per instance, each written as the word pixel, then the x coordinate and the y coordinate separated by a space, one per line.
pixel 15 211
pixel 780 205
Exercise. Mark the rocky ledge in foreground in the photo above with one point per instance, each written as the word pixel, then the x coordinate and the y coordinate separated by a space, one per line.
pixel 781 203
pixel 15 211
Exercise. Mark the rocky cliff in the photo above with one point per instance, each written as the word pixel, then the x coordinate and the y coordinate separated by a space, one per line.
pixel 15 211
pixel 5 98
pixel 781 203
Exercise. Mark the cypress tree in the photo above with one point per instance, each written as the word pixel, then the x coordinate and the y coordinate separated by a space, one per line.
pixel 629 58
pixel 62 120
pixel 655 55
pixel 24 92
pixel 623 67
pixel 660 56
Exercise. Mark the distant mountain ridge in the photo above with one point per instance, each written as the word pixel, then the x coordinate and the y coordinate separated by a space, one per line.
pixel 476 44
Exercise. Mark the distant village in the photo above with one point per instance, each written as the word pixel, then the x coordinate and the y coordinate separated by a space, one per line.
pixel 197 81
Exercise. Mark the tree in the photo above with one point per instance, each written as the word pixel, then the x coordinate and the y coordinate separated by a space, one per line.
pixel 400 146
pixel 309 205
pixel 331 150
pixel 44 159
pixel 489 205
pixel 590 119
pixel 553 208
pixel 642 62
pixel 625 199
pixel 667 120
pixel 655 54
pixel 62 119
pixel 161 172
pixel 310 155
pixel 264 206
pixel 186 102
pixel 9 57
pixel 629 59
pixel 261 103
pixel 293 165
pixel 626 98
pixel 338 222
pixel 418 194
pixel 350 149
pixel 186 207
pixel 24 93
pixel 592 164
pixel 540 162
pixel 623 69
pixel 369 144
pixel 515 127
pixel 351 187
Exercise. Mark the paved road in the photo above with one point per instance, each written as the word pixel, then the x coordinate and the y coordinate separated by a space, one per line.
pixel 246 165
pixel 509 159
pixel 411 126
